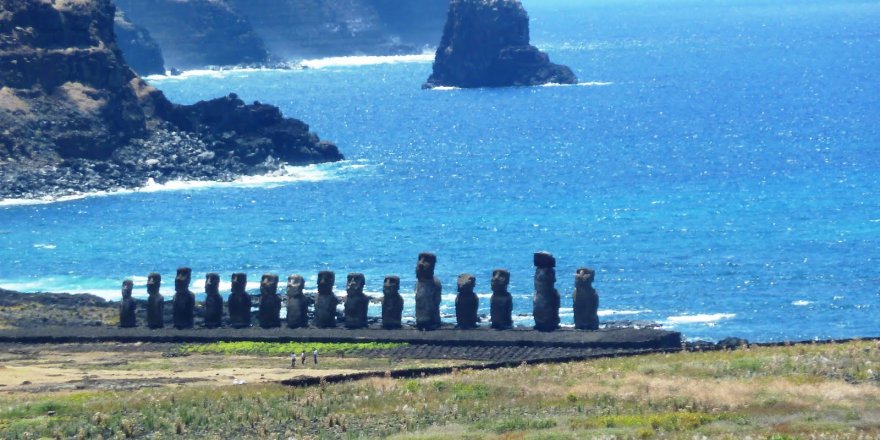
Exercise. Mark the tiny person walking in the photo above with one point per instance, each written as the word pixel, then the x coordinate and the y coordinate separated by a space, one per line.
pixel 292 360
pixel 302 357
pixel 315 356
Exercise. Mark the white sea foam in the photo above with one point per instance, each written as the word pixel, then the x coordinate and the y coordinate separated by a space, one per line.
pixel 46 246
pixel 211 73
pixel 622 312
pixel 581 84
pixel 355 61
pixel 801 303
pixel 445 88
pixel 287 175
pixel 709 319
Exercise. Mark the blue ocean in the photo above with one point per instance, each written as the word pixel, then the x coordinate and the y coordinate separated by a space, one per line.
pixel 717 166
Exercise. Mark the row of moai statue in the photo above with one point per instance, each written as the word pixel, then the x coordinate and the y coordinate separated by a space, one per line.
pixel 427 296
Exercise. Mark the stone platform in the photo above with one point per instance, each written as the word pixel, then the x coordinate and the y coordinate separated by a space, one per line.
pixel 627 338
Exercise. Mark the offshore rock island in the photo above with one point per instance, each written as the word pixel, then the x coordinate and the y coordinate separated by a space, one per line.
pixel 486 44
pixel 76 118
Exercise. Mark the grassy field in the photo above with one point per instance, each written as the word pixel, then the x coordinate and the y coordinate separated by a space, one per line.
pixel 810 391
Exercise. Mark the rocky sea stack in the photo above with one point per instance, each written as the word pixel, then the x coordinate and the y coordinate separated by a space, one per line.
pixel 486 44
pixel 74 117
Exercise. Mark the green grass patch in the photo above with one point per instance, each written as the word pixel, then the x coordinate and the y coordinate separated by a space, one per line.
pixel 669 422
pixel 284 348
pixel 522 424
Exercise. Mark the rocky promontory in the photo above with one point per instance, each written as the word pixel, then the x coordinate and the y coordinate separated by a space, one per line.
pixel 141 51
pixel 486 44
pixel 75 118
pixel 200 33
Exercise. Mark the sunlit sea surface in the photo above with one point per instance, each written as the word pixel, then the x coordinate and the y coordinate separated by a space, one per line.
pixel 718 166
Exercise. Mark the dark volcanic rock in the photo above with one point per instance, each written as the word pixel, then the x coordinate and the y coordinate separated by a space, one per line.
pixel 486 44
pixel 77 119
pixel 141 51
pixel 197 33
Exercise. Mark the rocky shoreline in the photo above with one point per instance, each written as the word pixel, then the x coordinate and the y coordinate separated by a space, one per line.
pixel 77 119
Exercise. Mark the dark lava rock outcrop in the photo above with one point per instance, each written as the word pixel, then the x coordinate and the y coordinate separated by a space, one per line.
pixel 141 51
pixel 74 117
pixel 197 33
pixel 486 44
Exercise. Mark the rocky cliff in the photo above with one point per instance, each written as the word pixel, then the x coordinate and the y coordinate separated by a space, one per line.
pixel 198 33
pixel 74 116
pixel 141 51
pixel 486 44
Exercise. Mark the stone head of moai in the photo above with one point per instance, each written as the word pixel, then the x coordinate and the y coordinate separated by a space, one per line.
pixel 391 286
pixel 295 285
pixel 584 278
pixel 154 282
pixel 425 267
pixel 466 283
pixel 212 283
pixel 326 281
pixel 127 287
pixel 269 284
pixel 239 282
pixel 355 284
pixel 500 280
pixel 182 280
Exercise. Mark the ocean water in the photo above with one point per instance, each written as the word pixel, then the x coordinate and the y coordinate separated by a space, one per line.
pixel 718 166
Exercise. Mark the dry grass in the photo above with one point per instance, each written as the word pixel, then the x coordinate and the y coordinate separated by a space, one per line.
pixel 86 99
pixel 11 103
pixel 826 391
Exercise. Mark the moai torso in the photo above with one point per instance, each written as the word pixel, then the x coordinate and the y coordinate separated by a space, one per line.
pixel 356 303
pixel 297 304
pixel 501 302
pixel 428 293
pixel 586 301
pixel 213 301
pixel 155 303
pixel 128 306
pixel 392 303
pixel 184 300
pixel 546 302
pixel 326 302
pixel 239 303
pixel 466 302
pixel 270 302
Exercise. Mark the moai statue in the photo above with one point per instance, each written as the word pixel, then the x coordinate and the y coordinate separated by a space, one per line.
pixel 392 303
pixel 326 302
pixel 501 302
pixel 270 302
pixel 184 301
pixel 213 301
pixel 297 304
pixel 239 302
pixel 128 307
pixel 428 293
pixel 466 302
pixel 155 303
pixel 586 300
pixel 356 303
pixel 546 305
